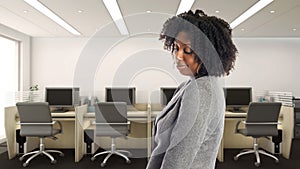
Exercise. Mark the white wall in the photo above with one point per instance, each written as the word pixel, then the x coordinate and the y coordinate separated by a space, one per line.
pixel 263 63
pixel 138 62
pixel 54 60
pixel 267 64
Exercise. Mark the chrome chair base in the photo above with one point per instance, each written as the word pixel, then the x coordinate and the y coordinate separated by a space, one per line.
pixel 256 151
pixel 42 151
pixel 111 152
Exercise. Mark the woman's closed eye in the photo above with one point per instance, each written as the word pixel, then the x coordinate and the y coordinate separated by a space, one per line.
pixel 188 50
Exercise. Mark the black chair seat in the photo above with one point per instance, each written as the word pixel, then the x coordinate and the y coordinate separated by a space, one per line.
pixel 259 132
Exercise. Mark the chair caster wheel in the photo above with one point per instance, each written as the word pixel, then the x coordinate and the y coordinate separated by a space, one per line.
pixel 102 164
pixel 257 164
pixel 53 162
pixel 93 159
pixel 21 158
pixel 61 154
pixel 276 161
pixel 25 164
pixel 235 158
pixel 128 161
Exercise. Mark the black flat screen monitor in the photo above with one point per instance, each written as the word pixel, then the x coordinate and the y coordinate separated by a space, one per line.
pixel 126 94
pixel 62 97
pixel 166 94
pixel 237 97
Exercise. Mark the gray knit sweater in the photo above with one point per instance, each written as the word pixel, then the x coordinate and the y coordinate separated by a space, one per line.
pixel 188 132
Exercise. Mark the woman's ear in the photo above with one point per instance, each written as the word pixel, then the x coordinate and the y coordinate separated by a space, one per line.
pixel 199 66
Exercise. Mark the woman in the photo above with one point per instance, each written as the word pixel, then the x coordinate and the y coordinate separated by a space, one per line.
pixel 187 133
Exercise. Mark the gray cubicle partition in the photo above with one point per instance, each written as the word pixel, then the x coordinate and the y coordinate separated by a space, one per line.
pixel 297 118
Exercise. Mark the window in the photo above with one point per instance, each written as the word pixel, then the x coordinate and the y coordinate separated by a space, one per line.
pixel 9 74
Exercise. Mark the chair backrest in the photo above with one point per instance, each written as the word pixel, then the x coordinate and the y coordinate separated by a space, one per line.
pixel 111 113
pixel 262 119
pixel 34 112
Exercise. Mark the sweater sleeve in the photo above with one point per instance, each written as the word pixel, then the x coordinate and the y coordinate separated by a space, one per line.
pixel 189 129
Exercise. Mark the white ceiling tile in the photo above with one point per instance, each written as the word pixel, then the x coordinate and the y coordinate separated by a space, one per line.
pixel 95 16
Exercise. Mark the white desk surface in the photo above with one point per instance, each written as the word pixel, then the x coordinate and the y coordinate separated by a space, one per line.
pixel 138 114
pixel 64 114
pixel 130 114
pixel 235 115
pixel 143 114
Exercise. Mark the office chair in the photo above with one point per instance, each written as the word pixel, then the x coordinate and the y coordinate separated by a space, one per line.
pixel 36 121
pixel 111 120
pixel 261 121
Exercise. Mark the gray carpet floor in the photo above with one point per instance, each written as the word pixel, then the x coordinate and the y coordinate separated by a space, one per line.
pixel 3 148
pixel 66 162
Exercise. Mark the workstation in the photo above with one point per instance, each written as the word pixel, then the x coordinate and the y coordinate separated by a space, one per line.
pixel 77 122
pixel 101 60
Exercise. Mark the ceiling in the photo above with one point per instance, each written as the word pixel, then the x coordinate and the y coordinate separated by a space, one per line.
pixel 94 16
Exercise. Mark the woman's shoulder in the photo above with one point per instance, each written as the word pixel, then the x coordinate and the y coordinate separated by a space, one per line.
pixel 205 84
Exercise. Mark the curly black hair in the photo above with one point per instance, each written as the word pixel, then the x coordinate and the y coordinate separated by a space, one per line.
pixel 211 41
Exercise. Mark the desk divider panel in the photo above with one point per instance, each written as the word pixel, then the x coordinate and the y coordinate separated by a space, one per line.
pixel 80 124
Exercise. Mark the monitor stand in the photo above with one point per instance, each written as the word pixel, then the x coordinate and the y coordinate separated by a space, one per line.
pixel 237 110
pixel 59 110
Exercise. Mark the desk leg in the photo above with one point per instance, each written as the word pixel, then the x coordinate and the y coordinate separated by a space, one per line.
pixel 80 125
pixel 287 130
pixel 149 139
pixel 10 131
pixel 220 156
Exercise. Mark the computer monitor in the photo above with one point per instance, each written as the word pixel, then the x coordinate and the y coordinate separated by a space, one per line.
pixel 166 94
pixel 62 97
pixel 237 97
pixel 116 94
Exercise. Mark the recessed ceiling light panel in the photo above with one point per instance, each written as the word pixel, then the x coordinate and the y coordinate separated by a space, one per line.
pixel 184 6
pixel 251 11
pixel 46 11
pixel 114 11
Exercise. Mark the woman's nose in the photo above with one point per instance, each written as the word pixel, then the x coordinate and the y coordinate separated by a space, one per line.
pixel 179 55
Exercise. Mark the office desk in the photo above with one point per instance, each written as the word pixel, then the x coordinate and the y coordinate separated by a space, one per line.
pixel 230 139
pixel 65 140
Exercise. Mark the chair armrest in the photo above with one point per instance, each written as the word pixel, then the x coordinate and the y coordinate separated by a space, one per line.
pixel 128 123
pixel 237 125
pixel 129 127
pixel 37 123
pixel 114 124
pixel 59 124
pixel 262 123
